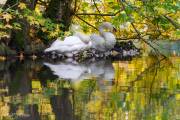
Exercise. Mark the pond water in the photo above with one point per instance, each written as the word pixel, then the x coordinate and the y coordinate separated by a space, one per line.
pixel 142 88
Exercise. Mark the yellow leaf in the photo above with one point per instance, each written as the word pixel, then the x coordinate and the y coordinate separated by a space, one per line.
pixel 7 17
pixel 8 26
pixel 160 10
pixel 177 96
pixel 139 3
pixel 42 21
pixel 94 106
pixel 36 85
pixel 136 15
pixel 44 29
pixel 54 34
pixel 22 6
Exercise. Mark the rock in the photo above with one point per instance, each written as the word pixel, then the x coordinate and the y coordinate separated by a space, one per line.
pixel 125 51
pixel 121 49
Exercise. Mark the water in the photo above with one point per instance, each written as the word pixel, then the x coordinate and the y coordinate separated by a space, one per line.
pixel 140 89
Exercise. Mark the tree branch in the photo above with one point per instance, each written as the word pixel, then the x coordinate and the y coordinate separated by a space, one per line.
pixel 96 6
pixel 86 22
pixel 106 14
pixel 130 38
pixel 175 24
pixel 139 34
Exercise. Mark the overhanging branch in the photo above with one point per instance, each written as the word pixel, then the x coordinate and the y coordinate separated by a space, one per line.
pixel 175 24
pixel 99 14
pixel 86 22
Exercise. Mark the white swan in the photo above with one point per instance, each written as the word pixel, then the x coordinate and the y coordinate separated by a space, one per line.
pixel 80 42
pixel 71 45
pixel 106 40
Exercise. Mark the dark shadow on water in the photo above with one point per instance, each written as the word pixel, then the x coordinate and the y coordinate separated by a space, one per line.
pixel 62 106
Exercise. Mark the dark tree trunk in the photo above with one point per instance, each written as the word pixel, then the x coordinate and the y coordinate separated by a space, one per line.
pixel 60 11
pixel 20 39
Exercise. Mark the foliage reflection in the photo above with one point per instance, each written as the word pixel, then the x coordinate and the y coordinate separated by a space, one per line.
pixel 143 88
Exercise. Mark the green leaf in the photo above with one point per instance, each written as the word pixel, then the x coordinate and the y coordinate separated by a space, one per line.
pixel 129 9
pixel 16 25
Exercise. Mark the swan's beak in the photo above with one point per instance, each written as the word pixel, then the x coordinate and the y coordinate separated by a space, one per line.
pixel 114 29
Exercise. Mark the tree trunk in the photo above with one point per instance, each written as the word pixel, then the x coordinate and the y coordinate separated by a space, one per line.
pixel 20 39
pixel 60 11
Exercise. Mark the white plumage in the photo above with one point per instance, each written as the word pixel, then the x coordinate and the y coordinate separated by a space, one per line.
pixel 70 45
pixel 98 42
pixel 103 42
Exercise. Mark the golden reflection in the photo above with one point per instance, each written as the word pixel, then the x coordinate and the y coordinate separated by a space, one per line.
pixel 142 89
pixel 4 109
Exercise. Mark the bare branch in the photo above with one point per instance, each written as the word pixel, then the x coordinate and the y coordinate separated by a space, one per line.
pixel 106 14
pixel 175 24
pixel 98 9
pixel 86 22
pixel 139 34
pixel 75 6
pixel 96 6
pixel 130 38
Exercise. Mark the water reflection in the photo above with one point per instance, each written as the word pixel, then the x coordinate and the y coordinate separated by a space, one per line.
pixel 141 89
pixel 74 71
pixel 167 47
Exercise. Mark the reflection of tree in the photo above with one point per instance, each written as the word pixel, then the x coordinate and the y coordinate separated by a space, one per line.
pixel 62 106
pixel 22 72
pixel 142 97
pixel 5 75
pixel 82 96
pixel 151 79
pixel 148 69
pixel 33 112
pixel 138 92
pixel 17 76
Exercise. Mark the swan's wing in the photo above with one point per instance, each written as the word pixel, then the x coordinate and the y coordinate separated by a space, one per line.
pixel 56 43
pixel 98 42
pixel 60 49
pixel 72 47
pixel 82 36
pixel 64 46
pixel 72 40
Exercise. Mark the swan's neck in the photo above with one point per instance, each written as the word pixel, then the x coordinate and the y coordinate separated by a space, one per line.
pixel 103 34
pixel 101 30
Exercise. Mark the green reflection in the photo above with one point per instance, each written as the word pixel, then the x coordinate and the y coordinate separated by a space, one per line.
pixel 142 89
